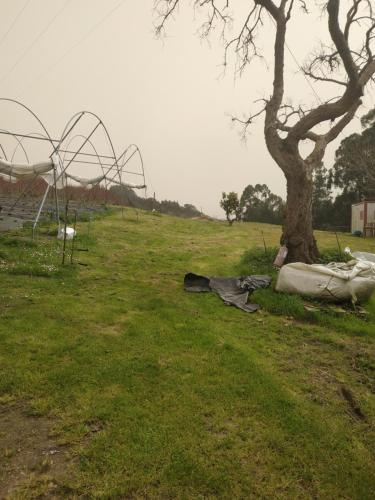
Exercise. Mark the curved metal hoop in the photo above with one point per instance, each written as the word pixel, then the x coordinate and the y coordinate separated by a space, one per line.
pixel 116 167
pixel 19 145
pixel 18 103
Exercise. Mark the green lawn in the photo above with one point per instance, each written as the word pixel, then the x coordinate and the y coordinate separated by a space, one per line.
pixel 150 392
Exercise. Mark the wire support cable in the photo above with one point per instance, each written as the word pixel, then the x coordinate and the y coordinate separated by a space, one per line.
pixel 77 44
pixel 14 22
pixel 35 41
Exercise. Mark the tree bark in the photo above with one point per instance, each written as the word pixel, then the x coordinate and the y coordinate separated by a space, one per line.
pixel 298 233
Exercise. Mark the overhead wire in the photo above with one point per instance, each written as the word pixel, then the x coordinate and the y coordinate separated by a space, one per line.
pixel 14 22
pixel 74 46
pixel 303 73
pixel 299 66
pixel 35 41
pixel 305 76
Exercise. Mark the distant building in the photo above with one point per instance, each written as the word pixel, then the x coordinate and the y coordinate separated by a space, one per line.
pixel 363 218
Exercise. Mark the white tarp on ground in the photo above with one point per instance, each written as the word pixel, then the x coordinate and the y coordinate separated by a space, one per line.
pixel 25 171
pixel 353 281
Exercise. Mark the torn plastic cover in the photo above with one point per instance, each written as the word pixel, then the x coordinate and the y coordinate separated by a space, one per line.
pixel 336 282
pixel 233 291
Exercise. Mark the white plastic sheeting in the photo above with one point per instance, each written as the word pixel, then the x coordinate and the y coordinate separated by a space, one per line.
pixel 51 178
pixel 364 256
pixel 86 182
pixel 25 171
pixel 128 184
pixel 97 180
pixel 70 233
pixel 334 282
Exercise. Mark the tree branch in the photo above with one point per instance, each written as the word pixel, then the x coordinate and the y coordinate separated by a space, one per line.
pixel 340 40
pixel 358 63
pixel 341 124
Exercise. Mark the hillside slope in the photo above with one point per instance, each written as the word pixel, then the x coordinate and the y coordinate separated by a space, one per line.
pixel 132 388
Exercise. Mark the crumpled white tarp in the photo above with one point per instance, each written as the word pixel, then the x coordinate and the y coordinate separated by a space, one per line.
pixel 97 180
pixel 128 184
pixel 354 280
pixel 51 178
pixel 25 171
pixel 369 257
pixel 86 182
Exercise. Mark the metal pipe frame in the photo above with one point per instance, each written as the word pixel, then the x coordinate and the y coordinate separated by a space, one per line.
pixel 62 147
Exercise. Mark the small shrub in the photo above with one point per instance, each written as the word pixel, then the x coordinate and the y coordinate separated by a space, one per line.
pixel 333 255
pixel 258 261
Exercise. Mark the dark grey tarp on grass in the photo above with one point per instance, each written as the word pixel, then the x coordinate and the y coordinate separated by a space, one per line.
pixel 233 291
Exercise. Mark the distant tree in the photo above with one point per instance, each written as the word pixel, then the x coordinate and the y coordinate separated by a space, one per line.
pixel 353 172
pixel 231 206
pixel 322 203
pixel 354 167
pixel 128 197
pixel 259 204
pixel 191 210
pixel 341 211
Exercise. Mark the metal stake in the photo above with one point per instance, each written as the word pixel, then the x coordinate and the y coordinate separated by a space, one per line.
pixel 65 224
pixel 74 236
pixel 338 245
pixel 264 243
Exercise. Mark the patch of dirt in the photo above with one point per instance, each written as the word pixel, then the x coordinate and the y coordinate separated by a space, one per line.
pixel 32 464
pixel 352 403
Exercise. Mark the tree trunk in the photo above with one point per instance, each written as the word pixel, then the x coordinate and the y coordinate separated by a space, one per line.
pixel 298 233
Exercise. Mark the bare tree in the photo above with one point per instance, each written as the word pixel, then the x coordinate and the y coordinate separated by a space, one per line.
pixel 348 63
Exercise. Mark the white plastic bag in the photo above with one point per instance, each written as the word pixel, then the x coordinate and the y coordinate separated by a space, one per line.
pixel 70 233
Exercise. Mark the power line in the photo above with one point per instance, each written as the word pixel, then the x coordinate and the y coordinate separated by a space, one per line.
pixel 303 73
pixel 36 39
pixel 14 22
pixel 299 66
pixel 74 46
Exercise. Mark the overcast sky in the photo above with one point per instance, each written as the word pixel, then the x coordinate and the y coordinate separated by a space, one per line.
pixel 167 96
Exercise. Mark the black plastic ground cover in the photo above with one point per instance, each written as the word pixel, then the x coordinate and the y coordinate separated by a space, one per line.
pixel 233 291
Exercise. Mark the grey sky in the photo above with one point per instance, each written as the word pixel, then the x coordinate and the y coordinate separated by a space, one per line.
pixel 166 96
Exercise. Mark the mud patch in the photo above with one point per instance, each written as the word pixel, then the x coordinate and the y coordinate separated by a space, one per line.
pixel 32 464
pixel 352 403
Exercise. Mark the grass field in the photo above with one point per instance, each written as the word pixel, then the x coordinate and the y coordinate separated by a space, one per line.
pixel 115 383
